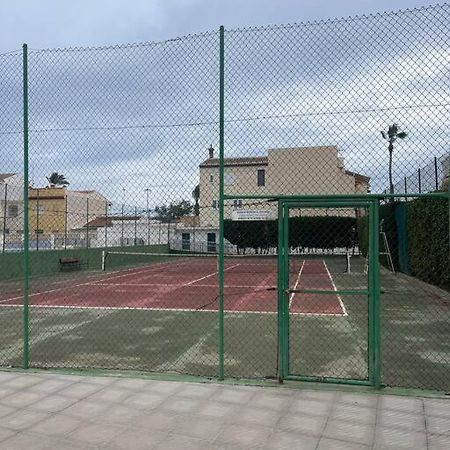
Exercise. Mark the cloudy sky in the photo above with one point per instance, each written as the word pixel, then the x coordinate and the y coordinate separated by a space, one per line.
pixel 123 119
pixel 56 23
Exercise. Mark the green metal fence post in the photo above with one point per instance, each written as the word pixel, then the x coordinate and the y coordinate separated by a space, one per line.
pixel 280 285
pixel 221 201
pixel 374 296
pixel 26 256
pixel 285 279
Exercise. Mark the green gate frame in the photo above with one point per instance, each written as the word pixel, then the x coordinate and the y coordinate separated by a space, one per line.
pixel 373 291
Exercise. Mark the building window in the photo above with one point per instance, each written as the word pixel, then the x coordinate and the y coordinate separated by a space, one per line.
pixel 13 210
pixel 261 177
pixel 211 178
pixel 211 242
pixel 237 204
pixel 185 241
pixel 6 230
pixel 214 204
pixel 228 178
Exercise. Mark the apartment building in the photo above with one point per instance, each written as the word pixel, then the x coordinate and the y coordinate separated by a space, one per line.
pixel 284 171
pixel 11 205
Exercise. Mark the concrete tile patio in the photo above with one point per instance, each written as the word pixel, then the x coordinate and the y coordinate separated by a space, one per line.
pixel 54 411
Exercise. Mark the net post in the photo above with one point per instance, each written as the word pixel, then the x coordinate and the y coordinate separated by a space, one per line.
pixel 348 263
pixel 103 260
pixel 26 250
pixel 221 200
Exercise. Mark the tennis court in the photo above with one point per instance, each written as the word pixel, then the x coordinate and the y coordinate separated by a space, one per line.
pixel 189 283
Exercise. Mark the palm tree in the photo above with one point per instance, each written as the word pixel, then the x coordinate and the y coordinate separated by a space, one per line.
pixel 196 197
pixel 57 179
pixel 391 136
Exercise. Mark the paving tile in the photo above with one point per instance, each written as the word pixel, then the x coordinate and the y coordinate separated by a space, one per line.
pixel 22 420
pixel 22 381
pixel 396 438
pixel 86 409
pixel 5 391
pixel 438 425
pixel 302 423
pixel 21 399
pixel 206 429
pixel 200 391
pixel 176 442
pixel 5 376
pixel 398 419
pixel 142 440
pixel 310 407
pixel 157 421
pixel 111 394
pixel 218 409
pixel 51 385
pixel 321 396
pixel 369 401
pixel 360 433
pixel 53 403
pixel 134 384
pixel 57 425
pixel 5 433
pixel 335 444
pixel 6 410
pixel 119 414
pixel 243 436
pixel 282 440
pixel 144 400
pixel 23 441
pixel 435 407
pixel 406 404
pixel 80 390
pixel 234 395
pixel 257 416
pixel 352 412
pixel 270 401
pixel 164 387
pixel 95 434
pixel 181 405
pixel 438 442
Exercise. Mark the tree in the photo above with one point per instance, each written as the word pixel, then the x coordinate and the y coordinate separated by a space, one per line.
pixel 196 197
pixel 391 136
pixel 57 179
pixel 173 211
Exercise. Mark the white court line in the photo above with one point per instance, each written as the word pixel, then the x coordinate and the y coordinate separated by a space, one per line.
pixel 247 286
pixel 90 283
pixel 131 308
pixel 344 311
pixel 296 284
pixel 207 276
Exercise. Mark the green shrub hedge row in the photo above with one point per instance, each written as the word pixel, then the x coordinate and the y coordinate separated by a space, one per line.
pixel 325 232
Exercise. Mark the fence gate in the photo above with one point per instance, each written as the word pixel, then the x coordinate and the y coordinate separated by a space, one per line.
pixel 328 291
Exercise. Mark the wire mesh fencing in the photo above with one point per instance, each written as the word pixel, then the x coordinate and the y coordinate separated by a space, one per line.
pixel 239 203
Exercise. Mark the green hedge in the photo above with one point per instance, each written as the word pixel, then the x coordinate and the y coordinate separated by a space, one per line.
pixel 46 262
pixel 428 234
pixel 325 232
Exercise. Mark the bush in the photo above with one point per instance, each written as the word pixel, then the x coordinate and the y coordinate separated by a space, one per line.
pixel 428 234
pixel 324 232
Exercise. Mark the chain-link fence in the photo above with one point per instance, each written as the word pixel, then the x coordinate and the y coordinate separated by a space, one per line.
pixel 227 204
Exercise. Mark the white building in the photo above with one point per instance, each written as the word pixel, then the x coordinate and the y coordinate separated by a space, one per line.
pixel 11 208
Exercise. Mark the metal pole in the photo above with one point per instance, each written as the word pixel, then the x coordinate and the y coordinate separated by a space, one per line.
pixel 26 250
pixel 135 225
pixel 221 200
pixel 374 296
pixel 121 240
pixel 37 219
pixel 406 189
pixel 436 181
pixel 65 221
pixel 87 222
pixel 106 224
pixel 148 218
pixel 420 181
pixel 4 218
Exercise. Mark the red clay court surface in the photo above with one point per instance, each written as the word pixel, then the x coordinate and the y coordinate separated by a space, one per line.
pixel 192 286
